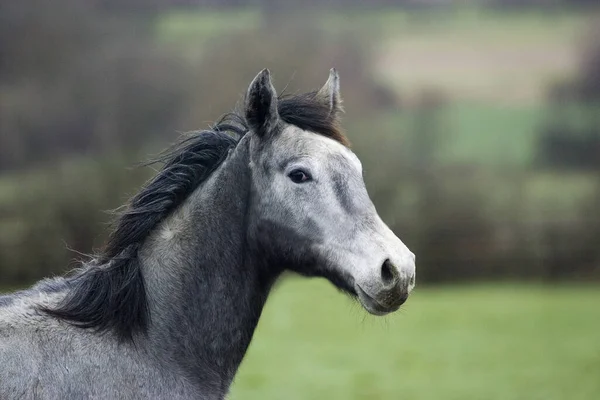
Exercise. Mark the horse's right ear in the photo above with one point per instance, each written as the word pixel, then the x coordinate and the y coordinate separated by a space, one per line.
pixel 330 94
pixel 261 104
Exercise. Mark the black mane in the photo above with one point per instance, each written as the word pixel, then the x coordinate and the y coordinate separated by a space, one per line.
pixel 108 293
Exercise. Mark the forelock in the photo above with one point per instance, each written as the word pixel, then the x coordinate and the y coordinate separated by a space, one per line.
pixel 308 113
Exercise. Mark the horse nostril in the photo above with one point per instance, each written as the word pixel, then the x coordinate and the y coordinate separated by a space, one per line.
pixel 387 273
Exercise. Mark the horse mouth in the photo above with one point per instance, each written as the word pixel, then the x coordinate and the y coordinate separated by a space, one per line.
pixel 372 305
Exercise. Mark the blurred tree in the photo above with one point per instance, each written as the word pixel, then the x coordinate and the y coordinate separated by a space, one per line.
pixel 81 76
pixel 570 137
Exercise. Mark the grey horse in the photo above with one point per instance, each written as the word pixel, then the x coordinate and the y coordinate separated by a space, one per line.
pixel 168 309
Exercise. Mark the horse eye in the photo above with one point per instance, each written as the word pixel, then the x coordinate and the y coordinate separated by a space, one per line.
pixel 299 176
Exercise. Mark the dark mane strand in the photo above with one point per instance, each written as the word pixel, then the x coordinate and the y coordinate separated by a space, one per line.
pixel 108 293
pixel 306 112
pixel 107 297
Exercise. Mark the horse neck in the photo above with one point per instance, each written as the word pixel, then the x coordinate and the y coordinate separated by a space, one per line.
pixel 205 291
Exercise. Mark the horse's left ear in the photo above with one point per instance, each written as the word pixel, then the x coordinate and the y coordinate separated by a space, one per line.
pixel 261 104
pixel 330 93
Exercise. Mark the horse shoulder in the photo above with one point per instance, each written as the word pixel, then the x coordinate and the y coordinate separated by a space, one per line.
pixel 20 360
pixel 44 358
pixel 36 351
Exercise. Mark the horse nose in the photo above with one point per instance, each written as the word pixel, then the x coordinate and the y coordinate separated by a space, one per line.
pixel 396 284
pixel 389 274
pixel 402 298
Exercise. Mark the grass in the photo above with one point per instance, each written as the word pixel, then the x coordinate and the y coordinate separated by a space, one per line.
pixel 483 134
pixel 193 30
pixel 497 134
pixel 480 341
pixel 532 25
pixel 464 342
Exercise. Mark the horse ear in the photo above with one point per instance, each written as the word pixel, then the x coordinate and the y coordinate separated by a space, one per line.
pixel 330 93
pixel 261 104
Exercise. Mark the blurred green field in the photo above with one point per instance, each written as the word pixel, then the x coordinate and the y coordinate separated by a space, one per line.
pixel 495 107
pixel 462 50
pixel 536 25
pixel 456 342
pixel 480 134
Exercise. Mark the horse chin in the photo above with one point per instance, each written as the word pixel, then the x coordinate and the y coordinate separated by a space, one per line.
pixel 372 305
